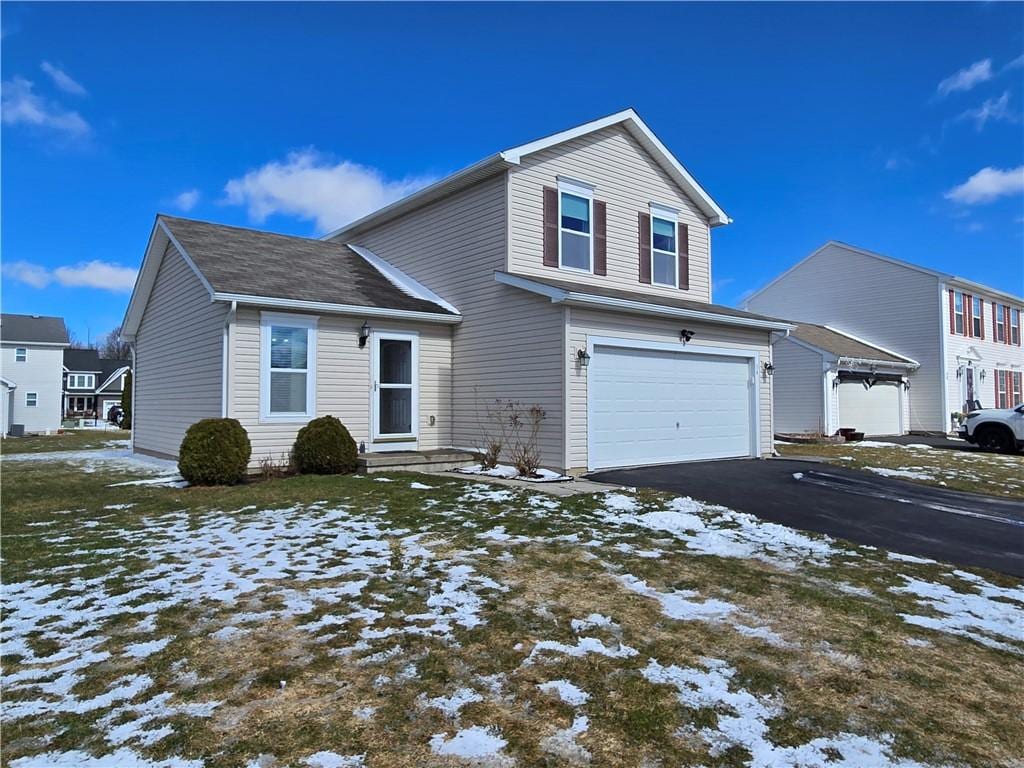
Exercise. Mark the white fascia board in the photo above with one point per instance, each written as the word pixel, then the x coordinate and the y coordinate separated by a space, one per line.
pixel 8 383
pixel 123 369
pixel 575 298
pixel 844 361
pixel 872 344
pixel 401 280
pixel 978 287
pixel 16 343
pixel 646 136
pixel 338 309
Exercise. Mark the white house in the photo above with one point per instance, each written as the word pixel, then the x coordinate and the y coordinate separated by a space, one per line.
pixel 32 369
pixel 960 342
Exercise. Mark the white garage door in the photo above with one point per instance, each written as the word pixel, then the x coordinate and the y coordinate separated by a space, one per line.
pixel 650 407
pixel 873 411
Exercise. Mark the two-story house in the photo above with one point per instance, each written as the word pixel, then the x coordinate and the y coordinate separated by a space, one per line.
pixel 903 347
pixel 92 385
pixel 573 272
pixel 31 355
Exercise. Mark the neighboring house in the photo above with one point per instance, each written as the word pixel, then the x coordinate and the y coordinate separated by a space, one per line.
pixel 31 367
pixel 573 272
pixel 964 337
pixel 92 385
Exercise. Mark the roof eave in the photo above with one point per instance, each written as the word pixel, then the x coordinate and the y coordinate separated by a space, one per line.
pixel 272 302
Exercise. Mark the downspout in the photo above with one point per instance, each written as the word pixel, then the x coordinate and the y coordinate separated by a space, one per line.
pixel 943 384
pixel 134 396
pixel 773 338
pixel 225 374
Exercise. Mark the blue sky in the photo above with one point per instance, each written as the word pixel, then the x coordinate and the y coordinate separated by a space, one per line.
pixel 893 127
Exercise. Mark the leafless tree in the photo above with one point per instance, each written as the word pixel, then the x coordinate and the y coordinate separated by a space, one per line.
pixel 113 348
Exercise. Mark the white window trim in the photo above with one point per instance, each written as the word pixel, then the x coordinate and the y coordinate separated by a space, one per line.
pixel 20 354
pixel 586 191
pixel 89 378
pixel 35 399
pixel 670 215
pixel 961 314
pixel 309 322
pixel 1000 326
pixel 980 317
pixel 391 438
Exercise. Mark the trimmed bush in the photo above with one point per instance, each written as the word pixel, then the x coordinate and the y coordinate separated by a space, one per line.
pixel 214 452
pixel 324 447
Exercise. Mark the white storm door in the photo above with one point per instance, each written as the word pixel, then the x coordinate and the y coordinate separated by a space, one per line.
pixel 395 395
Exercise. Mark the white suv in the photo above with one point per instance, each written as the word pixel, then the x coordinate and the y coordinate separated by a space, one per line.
pixel 995 429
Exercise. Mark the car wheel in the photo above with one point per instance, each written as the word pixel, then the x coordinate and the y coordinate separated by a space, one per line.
pixel 995 439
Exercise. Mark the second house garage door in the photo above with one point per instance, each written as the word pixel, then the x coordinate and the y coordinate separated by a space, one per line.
pixel 872 410
pixel 652 406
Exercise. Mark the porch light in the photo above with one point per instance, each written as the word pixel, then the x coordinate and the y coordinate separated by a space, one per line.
pixel 769 368
pixel 364 334
pixel 582 357
pixel 685 335
pixel 982 374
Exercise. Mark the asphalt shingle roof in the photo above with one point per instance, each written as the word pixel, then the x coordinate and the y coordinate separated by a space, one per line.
pixel 82 360
pixel 253 263
pixel 841 345
pixel 37 328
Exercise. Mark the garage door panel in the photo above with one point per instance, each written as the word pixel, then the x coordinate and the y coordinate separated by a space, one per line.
pixel 651 406
pixel 871 410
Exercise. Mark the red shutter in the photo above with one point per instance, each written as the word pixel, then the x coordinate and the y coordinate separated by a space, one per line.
pixel 550 227
pixel 998 376
pixel 600 238
pixel 995 331
pixel 952 313
pixel 981 316
pixel 1006 325
pixel 645 248
pixel 683 236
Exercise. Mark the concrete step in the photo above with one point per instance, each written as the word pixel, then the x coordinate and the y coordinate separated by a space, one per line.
pixel 440 460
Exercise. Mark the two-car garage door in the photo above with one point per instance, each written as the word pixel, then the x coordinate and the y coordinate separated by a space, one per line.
pixel 651 406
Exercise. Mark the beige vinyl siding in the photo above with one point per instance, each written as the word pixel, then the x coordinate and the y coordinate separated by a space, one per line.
pixel 798 386
pixel 625 177
pixel 584 323
pixel 884 303
pixel 178 358
pixel 343 383
pixel 509 344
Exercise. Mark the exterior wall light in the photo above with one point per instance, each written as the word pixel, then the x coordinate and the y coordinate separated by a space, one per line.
pixel 982 374
pixel 582 357
pixel 769 368
pixel 364 334
pixel 685 335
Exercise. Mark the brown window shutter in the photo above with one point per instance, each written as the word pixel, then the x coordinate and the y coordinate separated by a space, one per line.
pixel 683 244
pixel 550 227
pixel 1006 325
pixel 952 313
pixel 999 375
pixel 600 238
pixel 645 248
pixel 981 316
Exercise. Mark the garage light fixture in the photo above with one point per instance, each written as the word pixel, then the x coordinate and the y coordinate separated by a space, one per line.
pixel 769 368
pixel 582 357
pixel 685 335
pixel 364 334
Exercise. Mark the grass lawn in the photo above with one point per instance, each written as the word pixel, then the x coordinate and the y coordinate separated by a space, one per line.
pixel 71 440
pixel 408 620
pixel 973 470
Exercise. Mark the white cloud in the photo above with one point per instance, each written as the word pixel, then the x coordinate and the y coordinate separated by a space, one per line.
pixel 86 274
pixel 896 161
pixel 990 109
pixel 21 106
pixel 1018 62
pixel 63 80
pixel 187 200
pixel 966 78
pixel 310 185
pixel 987 185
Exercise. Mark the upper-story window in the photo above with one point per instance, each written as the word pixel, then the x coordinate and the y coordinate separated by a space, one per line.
pixel 20 354
pixel 81 381
pixel 999 325
pixel 664 246
pixel 31 399
pixel 575 214
pixel 288 367
pixel 1015 326
pixel 976 321
pixel 958 312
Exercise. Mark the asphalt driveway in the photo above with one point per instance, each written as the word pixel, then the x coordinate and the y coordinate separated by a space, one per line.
pixel 960 528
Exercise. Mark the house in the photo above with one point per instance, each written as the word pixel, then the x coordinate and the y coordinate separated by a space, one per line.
pixel 31 350
pixel 92 385
pixel 572 273
pixel 953 343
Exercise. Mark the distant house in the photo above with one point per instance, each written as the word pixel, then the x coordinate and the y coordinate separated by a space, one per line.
pixel 31 367
pixel 936 344
pixel 92 385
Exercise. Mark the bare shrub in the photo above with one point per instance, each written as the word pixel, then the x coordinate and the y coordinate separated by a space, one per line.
pixel 511 426
pixel 271 468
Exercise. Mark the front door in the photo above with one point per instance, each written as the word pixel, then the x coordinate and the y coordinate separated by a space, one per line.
pixel 968 387
pixel 395 390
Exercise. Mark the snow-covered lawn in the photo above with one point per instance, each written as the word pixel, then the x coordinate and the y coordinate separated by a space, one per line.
pixel 341 622
pixel 969 470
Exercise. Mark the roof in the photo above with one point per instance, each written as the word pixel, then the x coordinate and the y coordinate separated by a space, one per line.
pixel 512 157
pixel 82 360
pixel 943 276
pixel 564 291
pixel 841 344
pixel 36 329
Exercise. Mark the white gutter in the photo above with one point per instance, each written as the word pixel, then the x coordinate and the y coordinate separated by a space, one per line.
pixel 341 309
pixel 135 399
pixel 225 374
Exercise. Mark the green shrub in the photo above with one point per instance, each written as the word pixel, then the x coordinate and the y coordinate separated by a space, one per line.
pixel 324 447
pixel 214 452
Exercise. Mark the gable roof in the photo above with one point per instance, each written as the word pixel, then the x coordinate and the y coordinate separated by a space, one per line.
pixel 500 161
pixel 267 269
pixel 82 360
pixel 33 329
pixel 841 344
pixel 943 276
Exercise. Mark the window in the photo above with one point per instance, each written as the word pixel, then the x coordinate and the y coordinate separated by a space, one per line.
pixel 664 248
pixel 575 235
pixel 1018 395
pixel 287 367
pixel 958 312
pixel 976 317
pixel 1002 385
pixel 31 399
pixel 20 354
pixel 81 381
pixel 1015 326
pixel 999 324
